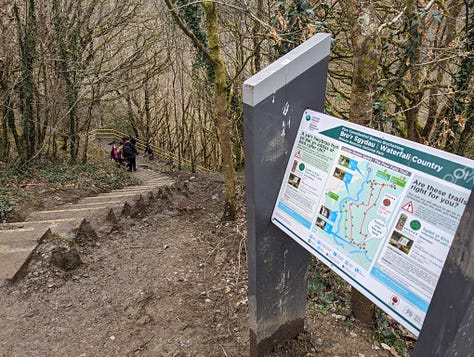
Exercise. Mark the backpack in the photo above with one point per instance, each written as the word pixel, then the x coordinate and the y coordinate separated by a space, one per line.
pixel 127 151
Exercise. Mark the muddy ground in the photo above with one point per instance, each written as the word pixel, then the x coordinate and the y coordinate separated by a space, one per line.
pixel 170 283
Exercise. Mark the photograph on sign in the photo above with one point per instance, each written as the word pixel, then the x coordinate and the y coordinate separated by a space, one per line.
pixel 369 205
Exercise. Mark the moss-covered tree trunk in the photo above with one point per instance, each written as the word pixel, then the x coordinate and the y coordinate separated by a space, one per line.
pixel 411 72
pixel 212 51
pixel 223 123
pixel 461 114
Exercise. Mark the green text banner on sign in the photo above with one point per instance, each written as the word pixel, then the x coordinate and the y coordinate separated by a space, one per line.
pixel 380 210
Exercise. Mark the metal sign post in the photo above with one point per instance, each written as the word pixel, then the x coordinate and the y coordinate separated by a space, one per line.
pixel 274 100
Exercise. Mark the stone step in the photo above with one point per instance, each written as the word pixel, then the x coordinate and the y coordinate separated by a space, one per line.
pixel 59 223
pixel 69 212
pixel 18 240
pixel 16 247
pixel 101 202
pixel 12 262
pixel 121 193
pixel 114 201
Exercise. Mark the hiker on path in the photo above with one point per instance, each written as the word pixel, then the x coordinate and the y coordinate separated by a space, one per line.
pixel 129 153
pixel 114 154
pixel 149 151
pixel 120 154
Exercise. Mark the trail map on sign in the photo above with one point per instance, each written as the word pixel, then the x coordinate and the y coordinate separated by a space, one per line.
pixel 379 210
pixel 360 201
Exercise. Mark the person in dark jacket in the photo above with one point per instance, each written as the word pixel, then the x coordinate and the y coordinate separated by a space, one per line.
pixel 130 152
pixel 149 151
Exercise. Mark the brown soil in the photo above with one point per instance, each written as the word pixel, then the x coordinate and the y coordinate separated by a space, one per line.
pixel 172 283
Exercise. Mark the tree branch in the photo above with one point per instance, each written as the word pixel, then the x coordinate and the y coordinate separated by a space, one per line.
pixel 197 43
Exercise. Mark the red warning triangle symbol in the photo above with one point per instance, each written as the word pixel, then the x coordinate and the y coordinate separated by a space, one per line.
pixel 408 206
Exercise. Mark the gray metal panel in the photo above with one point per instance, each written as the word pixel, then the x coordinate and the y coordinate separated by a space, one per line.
pixel 277 264
pixel 448 329
pixel 286 69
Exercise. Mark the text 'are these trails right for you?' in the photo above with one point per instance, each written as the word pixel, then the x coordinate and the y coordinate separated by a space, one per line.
pixel 381 211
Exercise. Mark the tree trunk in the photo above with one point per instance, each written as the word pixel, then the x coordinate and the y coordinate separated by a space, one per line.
pixel 411 99
pixel 6 113
pixel 461 116
pixel 4 142
pixel 68 59
pixel 366 53
pixel 88 124
pixel 224 127
pixel 223 123
pixel 362 308
pixel 27 43
pixel 257 59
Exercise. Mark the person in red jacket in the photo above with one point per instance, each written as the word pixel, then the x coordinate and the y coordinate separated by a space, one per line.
pixel 114 154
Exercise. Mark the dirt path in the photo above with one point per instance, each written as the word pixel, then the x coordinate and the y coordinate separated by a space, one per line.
pixel 172 283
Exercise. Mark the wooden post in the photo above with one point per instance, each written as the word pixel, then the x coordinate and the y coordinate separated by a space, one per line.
pixel 274 101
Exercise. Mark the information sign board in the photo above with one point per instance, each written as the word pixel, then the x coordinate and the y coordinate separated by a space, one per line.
pixel 381 211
